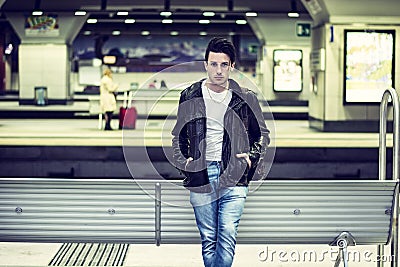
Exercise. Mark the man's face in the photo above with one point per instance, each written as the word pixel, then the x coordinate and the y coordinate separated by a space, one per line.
pixel 218 67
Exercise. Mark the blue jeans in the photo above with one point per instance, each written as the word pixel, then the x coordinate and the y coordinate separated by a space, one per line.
pixel 217 216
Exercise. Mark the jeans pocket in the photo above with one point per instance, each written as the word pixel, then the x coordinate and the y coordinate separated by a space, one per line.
pixel 243 167
pixel 236 192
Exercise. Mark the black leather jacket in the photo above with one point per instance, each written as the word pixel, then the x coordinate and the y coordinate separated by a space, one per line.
pixel 244 132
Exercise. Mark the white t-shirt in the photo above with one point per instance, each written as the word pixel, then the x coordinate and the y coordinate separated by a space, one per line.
pixel 216 106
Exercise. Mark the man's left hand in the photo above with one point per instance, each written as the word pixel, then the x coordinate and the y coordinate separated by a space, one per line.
pixel 246 157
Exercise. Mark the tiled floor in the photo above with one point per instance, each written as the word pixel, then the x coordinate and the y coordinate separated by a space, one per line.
pixel 40 254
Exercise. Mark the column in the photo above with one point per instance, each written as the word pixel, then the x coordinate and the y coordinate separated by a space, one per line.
pixel 44 55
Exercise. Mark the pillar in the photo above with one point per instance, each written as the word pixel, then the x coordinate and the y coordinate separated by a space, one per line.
pixel 2 64
pixel 44 55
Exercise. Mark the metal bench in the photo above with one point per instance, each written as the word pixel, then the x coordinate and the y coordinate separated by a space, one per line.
pixel 151 211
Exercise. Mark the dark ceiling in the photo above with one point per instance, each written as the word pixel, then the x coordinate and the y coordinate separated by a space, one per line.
pixel 146 13
pixel 265 6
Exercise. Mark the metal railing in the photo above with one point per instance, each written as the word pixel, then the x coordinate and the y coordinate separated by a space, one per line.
pixel 387 95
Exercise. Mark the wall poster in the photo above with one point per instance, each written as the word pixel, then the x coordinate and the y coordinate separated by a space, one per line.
pixel 287 70
pixel 368 65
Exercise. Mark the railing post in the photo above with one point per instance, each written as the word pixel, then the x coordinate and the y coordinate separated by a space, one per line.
pixel 390 93
pixel 158 214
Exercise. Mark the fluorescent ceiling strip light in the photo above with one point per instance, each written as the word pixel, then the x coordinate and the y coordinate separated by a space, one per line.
pixel 37 13
pixel 208 14
pixel 91 21
pixel 80 13
pixel 251 14
pixel 122 13
pixel 204 21
pixel 165 13
pixel 241 21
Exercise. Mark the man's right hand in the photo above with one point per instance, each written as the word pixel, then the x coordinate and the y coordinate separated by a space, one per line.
pixel 189 159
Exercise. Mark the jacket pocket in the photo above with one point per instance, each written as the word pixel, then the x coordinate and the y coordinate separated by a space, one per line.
pixel 196 181
pixel 235 172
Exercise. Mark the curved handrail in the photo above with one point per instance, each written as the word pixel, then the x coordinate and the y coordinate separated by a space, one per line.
pixel 390 93
pixel 383 130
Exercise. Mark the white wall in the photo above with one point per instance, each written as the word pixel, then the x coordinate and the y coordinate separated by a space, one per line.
pixel 43 65
pixel 280 33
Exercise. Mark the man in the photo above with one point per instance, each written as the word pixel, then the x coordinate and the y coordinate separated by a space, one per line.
pixel 219 138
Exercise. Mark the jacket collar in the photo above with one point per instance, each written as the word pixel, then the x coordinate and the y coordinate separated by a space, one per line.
pixel 237 97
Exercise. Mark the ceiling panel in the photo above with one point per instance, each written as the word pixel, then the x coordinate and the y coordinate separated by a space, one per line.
pixel 363 7
pixel 272 6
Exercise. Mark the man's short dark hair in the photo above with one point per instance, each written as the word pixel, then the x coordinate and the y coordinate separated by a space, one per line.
pixel 221 45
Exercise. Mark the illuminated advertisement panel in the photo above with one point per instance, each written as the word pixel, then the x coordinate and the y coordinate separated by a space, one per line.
pixel 42 26
pixel 368 65
pixel 288 71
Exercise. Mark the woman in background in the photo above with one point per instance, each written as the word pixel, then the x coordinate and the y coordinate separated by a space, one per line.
pixel 108 102
pixel 163 85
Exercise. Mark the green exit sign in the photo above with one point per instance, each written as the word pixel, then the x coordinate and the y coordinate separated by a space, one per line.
pixel 303 29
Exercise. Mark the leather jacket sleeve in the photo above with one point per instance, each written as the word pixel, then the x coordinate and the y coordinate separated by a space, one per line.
pixel 180 140
pixel 258 133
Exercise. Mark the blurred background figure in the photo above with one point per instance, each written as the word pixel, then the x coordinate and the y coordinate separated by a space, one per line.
pixel 153 84
pixel 108 101
pixel 163 85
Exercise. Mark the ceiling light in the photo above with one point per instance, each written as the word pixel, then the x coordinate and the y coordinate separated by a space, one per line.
pixel 116 32
pixel 80 13
pixel 203 33
pixel 9 49
pixel 293 10
pixel 204 21
pixel 145 33
pixel 122 13
pixel 37 13
pixel 130 21
pixel 87 32
pixel 169 21
pixel 174 33
pixel 251 14
pixel 165 13
pixel 208 14
pixel 241 21
pixel 91 21
pixel 293 15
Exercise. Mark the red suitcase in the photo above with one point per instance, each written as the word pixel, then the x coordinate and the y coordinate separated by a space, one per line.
pixel 127 113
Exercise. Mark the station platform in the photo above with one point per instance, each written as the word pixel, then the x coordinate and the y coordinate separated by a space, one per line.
pixel 78 132
pixel 83 108
pixel 33 147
